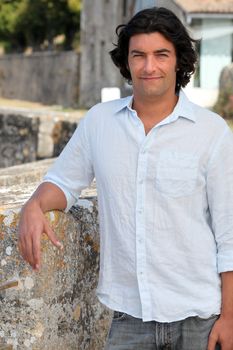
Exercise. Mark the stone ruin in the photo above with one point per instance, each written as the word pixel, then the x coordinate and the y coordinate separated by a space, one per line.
pixel 28 135
pixel 54 309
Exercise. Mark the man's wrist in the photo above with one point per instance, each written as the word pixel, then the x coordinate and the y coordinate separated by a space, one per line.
pixel 227 295
pixel 227 315
pixel 32 203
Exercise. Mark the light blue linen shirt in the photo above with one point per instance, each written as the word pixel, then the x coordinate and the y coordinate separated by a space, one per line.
pixel 165 206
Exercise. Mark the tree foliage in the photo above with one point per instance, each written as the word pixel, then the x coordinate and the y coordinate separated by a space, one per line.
pixel 36 23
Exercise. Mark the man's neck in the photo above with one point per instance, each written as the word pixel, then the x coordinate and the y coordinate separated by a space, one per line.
pixel 155 108
pixel 153 111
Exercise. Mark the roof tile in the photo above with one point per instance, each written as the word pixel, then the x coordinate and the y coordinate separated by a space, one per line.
pixel 206 6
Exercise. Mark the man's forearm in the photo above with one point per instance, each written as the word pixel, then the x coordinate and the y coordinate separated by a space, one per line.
pixel 221 332
pixel 227 294
pixel 48 196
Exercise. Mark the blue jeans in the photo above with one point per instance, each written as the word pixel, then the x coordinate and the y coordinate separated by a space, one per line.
pixel 129 333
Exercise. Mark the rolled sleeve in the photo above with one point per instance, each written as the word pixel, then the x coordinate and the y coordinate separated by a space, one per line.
pixel 73 170
pixel 220 198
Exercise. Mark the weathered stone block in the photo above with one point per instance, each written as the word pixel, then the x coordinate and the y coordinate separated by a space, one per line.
pixel 54 309
pixel 62 132
pixel 18 139
pixel 18 175
pixel 26 136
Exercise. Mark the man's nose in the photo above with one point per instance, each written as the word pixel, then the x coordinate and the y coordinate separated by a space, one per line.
pixel 150 64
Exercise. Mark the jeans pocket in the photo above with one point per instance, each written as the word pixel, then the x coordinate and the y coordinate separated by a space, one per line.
pixel 212 317
pixel 119 316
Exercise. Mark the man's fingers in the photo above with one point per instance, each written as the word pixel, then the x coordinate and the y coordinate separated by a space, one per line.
pixel 51 235
pixel 212 343
pixel 30 240
pixel 26 249
pixel 36 252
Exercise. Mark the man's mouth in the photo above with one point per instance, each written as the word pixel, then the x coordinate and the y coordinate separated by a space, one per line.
pixel 152 78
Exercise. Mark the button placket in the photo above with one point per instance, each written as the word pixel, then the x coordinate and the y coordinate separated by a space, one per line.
pixel 140 233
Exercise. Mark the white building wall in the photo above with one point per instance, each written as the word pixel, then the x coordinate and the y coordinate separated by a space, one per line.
pixel 216 51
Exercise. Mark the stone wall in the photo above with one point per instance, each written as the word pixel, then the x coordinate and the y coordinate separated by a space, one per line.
pixel 46 77
pixel 54 309
pixel 18 139
pixel 29 135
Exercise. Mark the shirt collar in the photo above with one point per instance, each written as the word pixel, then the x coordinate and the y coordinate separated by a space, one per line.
pixel 183 108
pixel 122 103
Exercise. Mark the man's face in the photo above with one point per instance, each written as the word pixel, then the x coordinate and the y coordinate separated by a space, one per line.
pixel 152 64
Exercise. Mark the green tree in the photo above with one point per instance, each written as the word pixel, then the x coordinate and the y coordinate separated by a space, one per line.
pixel 31 23
pixel 8 16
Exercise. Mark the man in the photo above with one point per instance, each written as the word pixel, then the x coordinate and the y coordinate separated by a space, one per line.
pixel 164 174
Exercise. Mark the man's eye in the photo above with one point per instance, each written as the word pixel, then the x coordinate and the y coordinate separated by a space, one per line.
pixel 162 55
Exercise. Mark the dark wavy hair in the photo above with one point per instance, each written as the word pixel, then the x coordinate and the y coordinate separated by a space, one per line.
pixel 164 21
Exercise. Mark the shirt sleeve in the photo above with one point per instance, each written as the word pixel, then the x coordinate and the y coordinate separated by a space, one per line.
pixel 220 198
pixel 73 170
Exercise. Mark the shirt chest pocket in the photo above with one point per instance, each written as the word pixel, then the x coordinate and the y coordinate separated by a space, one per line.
pixel 176 173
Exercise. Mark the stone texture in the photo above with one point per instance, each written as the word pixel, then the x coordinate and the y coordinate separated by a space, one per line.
pixel 27 135
pixel 55 130
pixel 47 77
pixel 54 309
pixel 18 139
pixel 62 132
pixel 18 175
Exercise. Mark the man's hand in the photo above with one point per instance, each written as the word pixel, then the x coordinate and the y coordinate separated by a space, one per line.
pixel 31 226
pixel 222 334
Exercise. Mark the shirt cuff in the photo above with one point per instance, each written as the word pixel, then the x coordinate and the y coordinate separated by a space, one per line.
pixel 225 262
pixel 70 200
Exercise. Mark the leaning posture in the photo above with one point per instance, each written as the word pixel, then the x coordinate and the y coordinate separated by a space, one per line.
pixel 164 174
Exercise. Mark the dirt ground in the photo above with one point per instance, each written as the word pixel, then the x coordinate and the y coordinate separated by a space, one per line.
pixel 36 106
